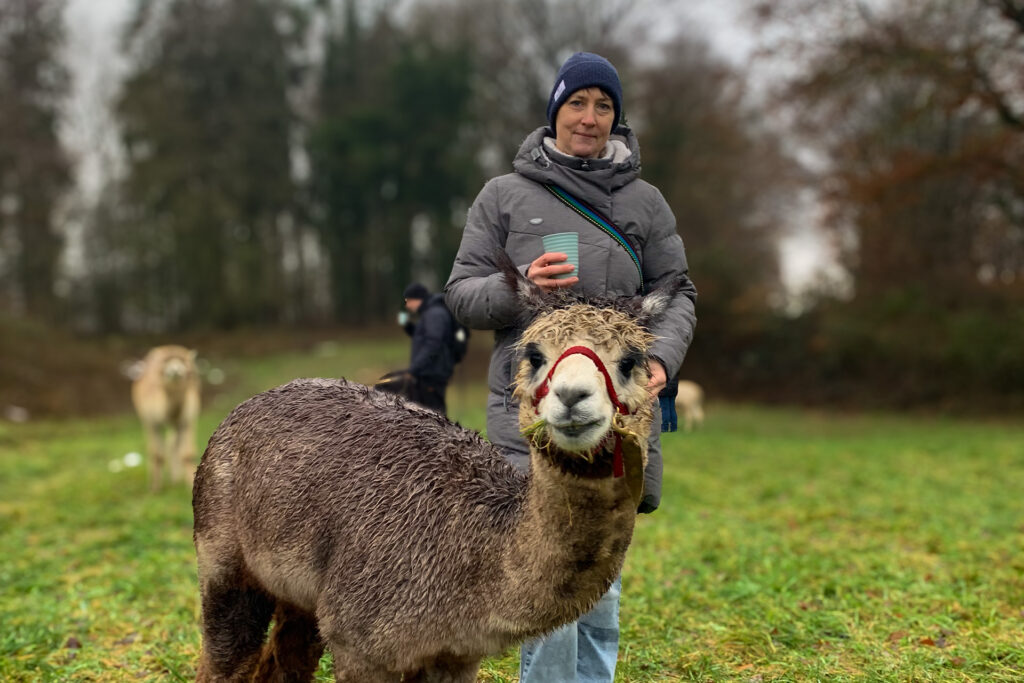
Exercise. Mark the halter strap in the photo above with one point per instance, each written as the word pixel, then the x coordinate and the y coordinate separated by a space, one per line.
pixel 542 391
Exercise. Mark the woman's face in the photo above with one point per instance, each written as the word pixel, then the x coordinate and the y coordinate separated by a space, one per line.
pixel 584 122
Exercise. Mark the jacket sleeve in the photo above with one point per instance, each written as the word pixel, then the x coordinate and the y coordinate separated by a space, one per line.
pixel 476 292
pixel 664 261
pixel 429 341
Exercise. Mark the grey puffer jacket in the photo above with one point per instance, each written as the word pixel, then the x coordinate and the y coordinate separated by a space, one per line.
pixel 514 211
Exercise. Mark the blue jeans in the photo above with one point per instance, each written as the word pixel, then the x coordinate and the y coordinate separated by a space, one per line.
pixel 584 651
pixel 669 419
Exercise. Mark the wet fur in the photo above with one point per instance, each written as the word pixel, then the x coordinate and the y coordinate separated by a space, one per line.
pixel 400 541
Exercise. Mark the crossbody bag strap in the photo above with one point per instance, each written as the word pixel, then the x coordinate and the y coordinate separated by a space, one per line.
pixel 605 225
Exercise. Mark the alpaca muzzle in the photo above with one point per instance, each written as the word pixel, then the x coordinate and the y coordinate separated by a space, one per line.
pixel 620 407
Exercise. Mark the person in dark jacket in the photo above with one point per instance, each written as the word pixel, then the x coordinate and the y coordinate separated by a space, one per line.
pixel 585 151
pixel 432 358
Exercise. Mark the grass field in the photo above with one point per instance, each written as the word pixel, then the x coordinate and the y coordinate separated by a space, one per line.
pixel 791 546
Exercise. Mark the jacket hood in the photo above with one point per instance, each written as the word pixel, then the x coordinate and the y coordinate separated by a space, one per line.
pixel 584 178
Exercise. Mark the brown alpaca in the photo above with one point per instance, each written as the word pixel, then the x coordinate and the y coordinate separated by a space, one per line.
pixel 404 543
pixel 166 398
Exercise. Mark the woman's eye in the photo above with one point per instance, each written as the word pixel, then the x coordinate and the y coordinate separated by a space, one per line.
pixel 604 108
pixel 626 366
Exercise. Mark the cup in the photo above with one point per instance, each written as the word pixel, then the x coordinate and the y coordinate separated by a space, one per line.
pixel 567 243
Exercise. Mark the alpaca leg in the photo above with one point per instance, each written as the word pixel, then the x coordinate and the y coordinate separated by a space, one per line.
pixel 689 420
pixel 155 453
pixel 235 620
pixel 174 452
pixel 183 460
pixel 293 652
pixel 188 451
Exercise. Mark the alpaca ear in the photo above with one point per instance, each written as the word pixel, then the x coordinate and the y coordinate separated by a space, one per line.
pixel 653 306
pixel 529 296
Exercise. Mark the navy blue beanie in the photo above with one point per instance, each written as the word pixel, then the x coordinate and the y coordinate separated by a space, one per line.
pixel 585 70
pixel 416 291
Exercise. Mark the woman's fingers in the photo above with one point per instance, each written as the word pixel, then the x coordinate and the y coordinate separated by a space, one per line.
pixel 551 283
pixel 659 378
pixel 545 267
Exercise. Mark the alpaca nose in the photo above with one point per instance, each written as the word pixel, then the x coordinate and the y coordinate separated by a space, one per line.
pixel 570 395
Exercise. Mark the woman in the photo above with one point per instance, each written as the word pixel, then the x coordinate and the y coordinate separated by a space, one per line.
pixel 585 152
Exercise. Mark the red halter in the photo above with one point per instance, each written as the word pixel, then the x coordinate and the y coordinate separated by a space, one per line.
pixel 620 407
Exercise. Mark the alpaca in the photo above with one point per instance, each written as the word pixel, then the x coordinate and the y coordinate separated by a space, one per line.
pixel 166 399
pixel 406 544
pixel 690 402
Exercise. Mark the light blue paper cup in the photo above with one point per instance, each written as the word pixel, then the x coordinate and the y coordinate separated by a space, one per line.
pixel 567 243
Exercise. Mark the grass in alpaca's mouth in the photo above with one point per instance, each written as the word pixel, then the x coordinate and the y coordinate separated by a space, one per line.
pixel 572 429
pixel 539 434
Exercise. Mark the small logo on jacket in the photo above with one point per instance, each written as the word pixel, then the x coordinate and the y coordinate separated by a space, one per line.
pixel 536 221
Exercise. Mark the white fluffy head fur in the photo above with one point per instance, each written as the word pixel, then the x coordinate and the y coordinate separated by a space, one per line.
pixel 577 410
pixel 576 413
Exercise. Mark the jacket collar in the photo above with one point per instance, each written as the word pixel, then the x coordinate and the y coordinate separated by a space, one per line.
pixel 590 179
pixel 615 151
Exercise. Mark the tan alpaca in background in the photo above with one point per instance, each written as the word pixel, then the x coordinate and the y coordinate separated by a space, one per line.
pixel 166 398
pixel 690 403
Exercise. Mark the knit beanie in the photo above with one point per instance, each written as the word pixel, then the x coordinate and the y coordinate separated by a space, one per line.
pixel 585 70
pixel 416 291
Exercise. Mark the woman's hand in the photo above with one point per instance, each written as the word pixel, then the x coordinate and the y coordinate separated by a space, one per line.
pixel 658 377
pixel 543 270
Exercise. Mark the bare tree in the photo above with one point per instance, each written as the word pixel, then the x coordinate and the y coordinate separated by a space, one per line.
pixel 206 126
pixel 518 46
pixel 34 170
pixel 919 108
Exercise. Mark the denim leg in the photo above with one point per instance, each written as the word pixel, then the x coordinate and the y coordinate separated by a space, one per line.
pixel 550 658
pixel 581 652
pixel 598 646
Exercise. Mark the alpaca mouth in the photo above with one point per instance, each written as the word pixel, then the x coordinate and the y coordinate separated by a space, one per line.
pixel 574 429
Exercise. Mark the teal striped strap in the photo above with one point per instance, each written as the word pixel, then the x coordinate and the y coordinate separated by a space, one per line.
pixel 601 222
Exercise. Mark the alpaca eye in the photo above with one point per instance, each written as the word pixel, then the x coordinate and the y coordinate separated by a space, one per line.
pixel 626 365
pixel 536 359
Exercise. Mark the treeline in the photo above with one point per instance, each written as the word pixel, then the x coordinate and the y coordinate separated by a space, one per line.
pixel 915 111
pixel 298 162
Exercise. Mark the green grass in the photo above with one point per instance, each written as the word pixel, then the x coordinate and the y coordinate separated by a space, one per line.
pixel 791 546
